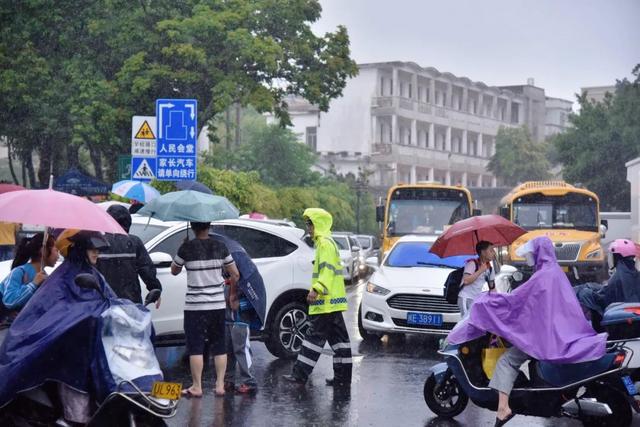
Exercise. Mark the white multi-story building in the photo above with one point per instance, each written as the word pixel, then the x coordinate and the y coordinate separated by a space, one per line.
pixel 406 123
pixel 598 93
pixel 557 115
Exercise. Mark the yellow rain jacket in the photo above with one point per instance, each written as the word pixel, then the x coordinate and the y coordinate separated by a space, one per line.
pixel 327 278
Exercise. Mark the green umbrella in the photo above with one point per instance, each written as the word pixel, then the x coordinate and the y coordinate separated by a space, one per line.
pixel 189 205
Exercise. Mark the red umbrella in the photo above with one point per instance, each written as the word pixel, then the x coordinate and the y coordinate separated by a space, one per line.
pixel 6 187
pixel 461 238
pixel 55 209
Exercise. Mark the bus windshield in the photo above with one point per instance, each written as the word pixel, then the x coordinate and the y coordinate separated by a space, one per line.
pixel 425 210
pixel 573 210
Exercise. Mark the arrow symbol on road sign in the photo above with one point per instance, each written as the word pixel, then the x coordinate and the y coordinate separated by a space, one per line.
pixel 161 106
pixel 193 111
pixel 193 132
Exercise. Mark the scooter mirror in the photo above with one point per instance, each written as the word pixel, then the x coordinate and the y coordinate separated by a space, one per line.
pixel 518 276
pixel 152 296
pixel 88 281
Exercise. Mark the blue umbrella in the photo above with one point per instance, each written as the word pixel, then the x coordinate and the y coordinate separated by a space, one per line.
pixel 135 190
pixel 190 206
pixel 251 283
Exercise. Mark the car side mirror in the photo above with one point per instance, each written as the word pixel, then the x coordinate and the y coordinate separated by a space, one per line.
pixel 372 262
pixel 603 231
pixel 161 259
pixel 477 212
pixel 355 248
pixel 88 281
pixel 380 213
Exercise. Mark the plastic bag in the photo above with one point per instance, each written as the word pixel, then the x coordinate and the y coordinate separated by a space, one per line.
pixel 490 356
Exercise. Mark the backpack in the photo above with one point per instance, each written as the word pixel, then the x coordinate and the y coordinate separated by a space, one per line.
pixel 453 283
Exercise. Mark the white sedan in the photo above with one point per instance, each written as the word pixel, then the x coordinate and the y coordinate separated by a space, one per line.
pixel 406 293
pixel 283 258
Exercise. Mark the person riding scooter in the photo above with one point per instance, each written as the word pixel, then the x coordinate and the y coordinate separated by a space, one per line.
pixel 541 319
pixel 60 320
pixel 623 286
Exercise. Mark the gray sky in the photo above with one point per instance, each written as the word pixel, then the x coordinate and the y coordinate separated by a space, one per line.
pixel 562 44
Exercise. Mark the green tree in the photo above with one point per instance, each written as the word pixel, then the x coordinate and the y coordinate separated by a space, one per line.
pixel 271 151
pixel 518 158
pixel 74 73
pixel 602 138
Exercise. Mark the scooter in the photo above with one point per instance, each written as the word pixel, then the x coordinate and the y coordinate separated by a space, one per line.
pixel 599 393
pixel 132 362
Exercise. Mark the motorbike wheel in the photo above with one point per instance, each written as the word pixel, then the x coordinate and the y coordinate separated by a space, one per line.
pixel 621 411
pixel 446 400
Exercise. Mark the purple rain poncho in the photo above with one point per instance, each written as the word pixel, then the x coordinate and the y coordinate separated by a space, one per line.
pixel 542 317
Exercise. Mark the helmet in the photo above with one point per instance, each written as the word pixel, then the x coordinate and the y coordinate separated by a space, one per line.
pixel 121 215
pixel 623 247
pixel 82 238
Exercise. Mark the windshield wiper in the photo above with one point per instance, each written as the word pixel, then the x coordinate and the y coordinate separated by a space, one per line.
pixel 434 265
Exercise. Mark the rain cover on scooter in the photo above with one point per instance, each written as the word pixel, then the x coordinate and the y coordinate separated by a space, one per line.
pixel 542 317
pixel 56 337
pixel 126 338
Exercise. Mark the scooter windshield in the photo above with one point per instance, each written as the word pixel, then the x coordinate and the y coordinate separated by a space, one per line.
pixel 126 337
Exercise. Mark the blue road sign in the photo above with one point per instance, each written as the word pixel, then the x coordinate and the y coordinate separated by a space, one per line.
pixel 143 168
pixel 177 133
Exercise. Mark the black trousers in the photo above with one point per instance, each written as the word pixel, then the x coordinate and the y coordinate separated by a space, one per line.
pixel 325 327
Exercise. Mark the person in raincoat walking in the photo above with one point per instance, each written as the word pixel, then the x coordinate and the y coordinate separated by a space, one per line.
pixel 327 300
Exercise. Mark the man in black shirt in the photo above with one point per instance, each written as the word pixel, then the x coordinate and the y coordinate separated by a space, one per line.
pixel 126 259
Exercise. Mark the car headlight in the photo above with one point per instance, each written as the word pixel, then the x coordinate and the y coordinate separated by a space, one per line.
pixel 375 289
pixel 595 254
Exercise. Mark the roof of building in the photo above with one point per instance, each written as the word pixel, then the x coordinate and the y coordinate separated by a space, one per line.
pixel 436 73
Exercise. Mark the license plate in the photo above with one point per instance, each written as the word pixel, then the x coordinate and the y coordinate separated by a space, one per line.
pixel 565 268
pixel 430 319
pixel 631 387
pixel 162 390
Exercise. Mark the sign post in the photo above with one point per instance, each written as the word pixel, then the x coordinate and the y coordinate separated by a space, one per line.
pixel 176 133
pixel 143 148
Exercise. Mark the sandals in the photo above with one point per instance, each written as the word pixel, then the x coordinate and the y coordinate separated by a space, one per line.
pixel 189 393
pixel 500 423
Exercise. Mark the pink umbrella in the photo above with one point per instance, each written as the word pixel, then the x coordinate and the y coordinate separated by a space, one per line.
pixel 55 209
pixel 5 187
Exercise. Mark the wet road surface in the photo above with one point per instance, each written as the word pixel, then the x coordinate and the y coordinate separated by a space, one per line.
pixel 388 379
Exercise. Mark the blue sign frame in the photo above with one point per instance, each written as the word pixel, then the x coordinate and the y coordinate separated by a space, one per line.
pixel 177 138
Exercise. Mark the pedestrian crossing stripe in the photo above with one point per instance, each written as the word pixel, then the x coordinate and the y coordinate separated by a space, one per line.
pixel 145 132
pixel 144 171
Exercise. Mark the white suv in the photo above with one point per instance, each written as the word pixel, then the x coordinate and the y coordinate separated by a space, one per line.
pixel 283 259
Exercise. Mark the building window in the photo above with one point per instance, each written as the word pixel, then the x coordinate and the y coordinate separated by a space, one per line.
pixel 410 90
pixel 381 86
pixel 391 87
pixel 312 138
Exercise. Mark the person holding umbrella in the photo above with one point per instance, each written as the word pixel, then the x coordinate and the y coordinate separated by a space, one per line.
pixel 204 317
pixel 477 272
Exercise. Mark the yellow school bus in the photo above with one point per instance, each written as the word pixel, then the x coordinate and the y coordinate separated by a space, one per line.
pixel 425 208
pixel 569 216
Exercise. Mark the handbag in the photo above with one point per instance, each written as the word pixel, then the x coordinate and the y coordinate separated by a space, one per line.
pixel 490 356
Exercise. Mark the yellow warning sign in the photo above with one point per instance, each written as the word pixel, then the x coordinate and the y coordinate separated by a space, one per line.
pixel 145 132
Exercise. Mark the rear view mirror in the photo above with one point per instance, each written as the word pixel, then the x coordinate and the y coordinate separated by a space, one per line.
pixel 161 259
pixel 477 212
pixel 355 248
pixel 372 262
pixel 88 281
pixel 505 212
pixel 604 227
pixel 380 213
pixel 152 296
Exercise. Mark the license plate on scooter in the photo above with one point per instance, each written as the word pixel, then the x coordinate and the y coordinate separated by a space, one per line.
pixel 162 390
pixel 630 386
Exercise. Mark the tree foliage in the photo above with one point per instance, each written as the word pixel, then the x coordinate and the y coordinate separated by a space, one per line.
pixel 73 73
pixel 518 158
pixel 602 138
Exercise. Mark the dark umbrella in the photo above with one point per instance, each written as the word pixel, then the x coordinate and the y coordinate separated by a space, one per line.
pixel 193 185
pixel 251 283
